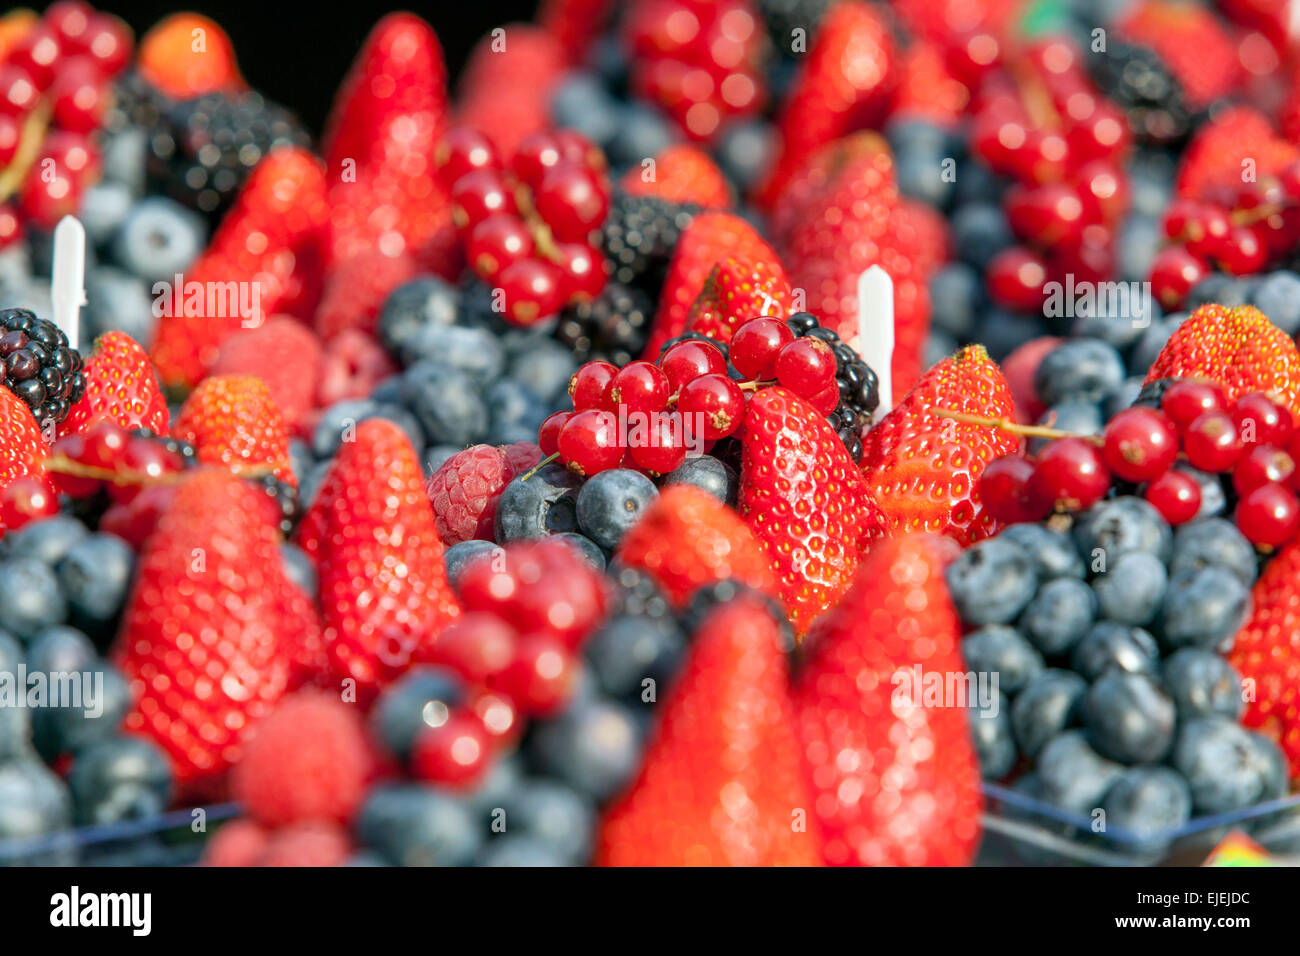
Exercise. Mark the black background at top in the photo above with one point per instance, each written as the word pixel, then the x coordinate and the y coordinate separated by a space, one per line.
pixel 297 53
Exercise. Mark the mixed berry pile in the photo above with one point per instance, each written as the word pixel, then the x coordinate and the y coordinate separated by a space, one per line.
pixel 506 478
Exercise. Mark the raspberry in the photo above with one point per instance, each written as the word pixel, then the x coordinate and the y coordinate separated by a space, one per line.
pixel 352 364
pixel 237 843
pixel 522 455
pixel 464 492
pixel 307 844
pixel 307 761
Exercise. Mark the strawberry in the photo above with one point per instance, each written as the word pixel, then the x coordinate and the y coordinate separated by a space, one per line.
pixel 575 24
pixel 923 469
pixel 737 290
pixel 1238 348
pixel 805 500
pixel 710 238
pixel 1266 650
pixel 187 55
pixel 351 365
pixel 926 89
pixel 285 355
pixel 1212 162
pixel 232 423
pixel 464 492
pixel 1195 45
pixel 845 78
pixel 383 586
pixel 22 446
pixel 204 636
pixel 722 783
pixel 682 174
pixel 948 23
pixel 895 785
pixel 121 385
pixel 272 239
pixel 687 539
pixel 506 86
pixel 357 289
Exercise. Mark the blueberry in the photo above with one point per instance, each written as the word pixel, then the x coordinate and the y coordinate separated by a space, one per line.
pixel 75 726
pixel 159 239
pixel 1214 501
pixel 1053 553
pixel 15 726
pixel 437 456
pixel 1002 650
pixel 979 232
pixel 544 504
pixel 412 825
pixel 579 102
pixel 415 305
pixel 521 850
pixel 337 422
pixel 1003 332
pixel 33 802
pixel 118 301
pixel 1129 718
pixel 95 576
pixel 473 351
pixel 976 183
pixel 497 787
pixel 1122 397
pixel 955 292
pixel 104 207
pixel 905 134
pixel 1215 542
pixel 938 346
pixel 300 457
pixel 1146 802
pixel 459 555
pixel 1203 607
pixel 743 151
pixel 641 134
pixel 1217 287
pixel 1081 369
pixel 123 778
pixel 1278 297
pixel 1111 646
pixel 1059 615
pixel 1152 341
pixel 921 176
pixel 447 402
pixel 1117 526
pixel 46 541
pixel 60 649
pixel 1072 415
pixel 610 503
pixel 995 744
pixel 1226 766
pixel 1047 705
pixel 594 747
pixel 554 814
pixel 1131 589
pixel 1074 776
pixel 1203 684
pixel 299 568
pixel 33 600
pixel 708 473
pixel 125 157
pixel 545 370
pixel 421 697
pixel 365 858
pixel 516 413
pixel 311 483
pixel 1120 326
pixel 1140 238
pixel 628 650
pixel 991 582
pixel 588 550
pixel 387 392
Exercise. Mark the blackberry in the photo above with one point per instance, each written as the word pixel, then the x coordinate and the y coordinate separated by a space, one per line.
pixel 183 449
pixel 1140 83
pixel 783 17
pixel 1153 393
pixel 639 236
pixel 136 102
pixel 857 382
pixel 204 148
pixel 39 365
pixel 612 327
pixel 285 497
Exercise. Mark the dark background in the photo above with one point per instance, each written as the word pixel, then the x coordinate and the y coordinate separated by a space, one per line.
pixel 296 53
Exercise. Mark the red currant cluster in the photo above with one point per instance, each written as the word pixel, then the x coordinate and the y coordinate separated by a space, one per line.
pixel 646 415
pixel 519 657
pixel 1254 439
pixel 54 89
pixel 1044 124
pixel 1240 231
pixel 698 60
pixel 527 228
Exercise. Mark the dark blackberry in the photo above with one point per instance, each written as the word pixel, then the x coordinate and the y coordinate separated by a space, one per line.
pixel 1140 84
pixel 612 327
pixel 1153 393
pixel 783 17
pixel 204 148
pixel 39 365
pixel 136 102
pixel 709 596
pixel 639 236
pixel 186 451
pixel 857 382
pixel 700 336
pixel 284 495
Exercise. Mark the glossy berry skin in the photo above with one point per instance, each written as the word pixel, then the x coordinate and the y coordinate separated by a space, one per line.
pixel 1071 474
pixel 640 387
pixel 1212 442
pixel 462 151
pixel 477 195
pixel 589 386
pixel 536 153
pixel 496 242
pixel 572 200
pixel 689 360
pixel 1176 495
pixel 589 442
pixel 1243 252
pixel 18 92
pixel 540 678
pixel 456 753
pixel 11 132
pixel 108 43
pixel 478 646
pixel 1184 402
pixel 1140 444
pixel 532 290
pixel 582 271
pixel 755 346
pixel 1015 279
pixel 1173 273
pixel 27 499
pixel 714 401
pixel 548 434
pixel 80 96
pixel 1007 491
pixel 1261 421
pixel 664 449
pixel 1262 465
pixel 806 366
pixel 1269 515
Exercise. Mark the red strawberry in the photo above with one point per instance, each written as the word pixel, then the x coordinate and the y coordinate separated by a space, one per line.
pixel 1198 49
pixel 307 844
pixel 271 238
pixel 687 539
pixel 1212 162
pixel 383 587
pixel 352 364
pixel 895 785
pixel 285 355
pixel 204 636
pixel 464 492
pixel 232 422
pixel 926 89
pixel 506 86
pixel 722 783
pixel 737 290
pixel 710 238
pixel 805 500
pixel 172 62
pixel 121 385
pixel 681 174
pixel 1267 651
pixel 923 469
pixel 1238 348
pixel 575 24
pixel 22 446
pixel 845 78
pixel 357 288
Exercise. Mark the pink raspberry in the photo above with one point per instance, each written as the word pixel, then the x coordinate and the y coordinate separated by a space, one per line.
pixel 307 844
pixel 464 492
pixel 523 455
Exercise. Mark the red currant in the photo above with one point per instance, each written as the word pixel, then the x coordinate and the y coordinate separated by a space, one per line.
pixel 1176 495
pixel 827 400
pixel 640 387
pixel 11 132
pixel 1207 231
pixel 1069 473
pixel 1261 421
pixel 689 360
pixel 27 499
pixel 756 344
pixel 531 289
pixel 1243 253
pixel 589 442
pixel 548 435
pixel 713 401
pixel 1005 489
pixel 806 366
pixel 1269 515
pixel 1015 278
pixel 106 442
pixel 477 645
pixel 478 194
pixel 496 242
pixel 108 43
pixel 37 55
pixel 455 753
pixel 537 152
pixel 1173 273
pixel 1140 444
pixel 11 227
pixel 1046 215
pixel 462 151
pixel 1212 443
pixel 18 91
pixel 498 714
pixel 80 97
pixel 70 21
pixel 1184 402
pixel 664 447
pixel 540 678
pixel 582 271
pixel 1261 465
pixel 589 386
pixel 572 199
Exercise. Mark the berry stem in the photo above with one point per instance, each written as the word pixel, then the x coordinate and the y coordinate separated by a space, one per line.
pixel 539 466
pixel 63 465
pixel 29 147
pixel 1006 425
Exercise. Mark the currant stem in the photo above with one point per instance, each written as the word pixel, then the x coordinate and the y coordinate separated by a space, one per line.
pixel 1006 425
pixel 63 465
pixel 539 466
